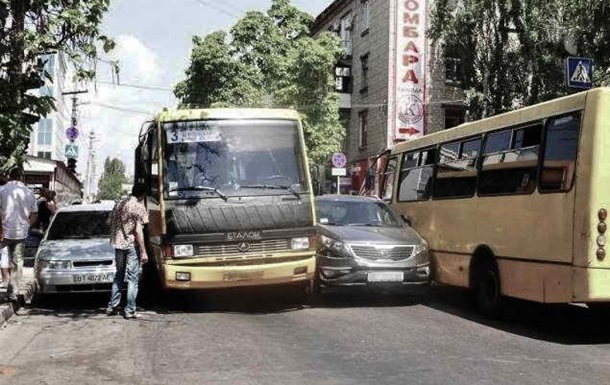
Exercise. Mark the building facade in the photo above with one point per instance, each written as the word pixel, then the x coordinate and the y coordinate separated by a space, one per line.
pixel 393 84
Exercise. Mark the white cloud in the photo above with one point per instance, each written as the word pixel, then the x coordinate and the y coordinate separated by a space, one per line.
pixel 116 112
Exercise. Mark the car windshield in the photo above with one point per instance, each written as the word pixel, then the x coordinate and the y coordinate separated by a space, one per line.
pixel 79 225
pixel 209 159
pixel 356 213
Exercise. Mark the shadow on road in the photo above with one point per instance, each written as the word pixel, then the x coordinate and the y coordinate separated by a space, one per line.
pixel 563 324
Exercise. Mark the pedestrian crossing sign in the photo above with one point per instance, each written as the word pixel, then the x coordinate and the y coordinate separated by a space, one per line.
pixel 71 151
pixel 579 72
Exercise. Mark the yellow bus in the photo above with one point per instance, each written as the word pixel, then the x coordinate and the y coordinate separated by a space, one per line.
pixel 514 205
pixel 229 198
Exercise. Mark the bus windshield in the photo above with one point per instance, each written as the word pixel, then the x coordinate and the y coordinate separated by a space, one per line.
pixel 220 158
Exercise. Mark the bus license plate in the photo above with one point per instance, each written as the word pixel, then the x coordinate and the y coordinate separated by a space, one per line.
pixel 390 276
pixel 243 276
pixel 93 278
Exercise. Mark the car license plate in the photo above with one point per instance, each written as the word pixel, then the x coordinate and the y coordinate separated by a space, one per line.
pixel 386 276
pixel 93 278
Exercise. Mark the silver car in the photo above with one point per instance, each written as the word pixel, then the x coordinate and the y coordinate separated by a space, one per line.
pixel 75 255
pixel 364 242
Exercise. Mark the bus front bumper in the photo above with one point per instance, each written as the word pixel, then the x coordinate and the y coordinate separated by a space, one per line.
pixel 187 277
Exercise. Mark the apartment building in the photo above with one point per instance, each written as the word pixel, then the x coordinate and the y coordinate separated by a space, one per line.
pixel 393 84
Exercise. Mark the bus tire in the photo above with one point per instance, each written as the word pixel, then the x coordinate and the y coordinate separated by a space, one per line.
pixel 488 289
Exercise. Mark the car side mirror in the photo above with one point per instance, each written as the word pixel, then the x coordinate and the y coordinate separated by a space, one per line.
pixel 406 220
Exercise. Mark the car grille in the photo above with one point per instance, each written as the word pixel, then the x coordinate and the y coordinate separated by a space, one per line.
pixel 394 253
pixel 105 262
pixel 256 247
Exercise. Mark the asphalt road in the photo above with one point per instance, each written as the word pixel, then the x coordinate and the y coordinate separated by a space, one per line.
pixel 265 338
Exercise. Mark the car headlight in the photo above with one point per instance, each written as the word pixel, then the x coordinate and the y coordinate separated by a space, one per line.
pixel 55 264
pixel 420 248
pixel 337 247
pixel 299 243
pixel 183 251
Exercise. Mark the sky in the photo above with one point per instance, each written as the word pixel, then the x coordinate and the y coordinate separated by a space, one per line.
pixel 154 41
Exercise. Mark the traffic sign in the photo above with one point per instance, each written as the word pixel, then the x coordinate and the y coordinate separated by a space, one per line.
pixel 71 151
pixel 339 160
pixel 579 72
pixel 72 133
pixel 339 171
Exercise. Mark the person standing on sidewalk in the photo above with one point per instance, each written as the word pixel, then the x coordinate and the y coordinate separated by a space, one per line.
pixel 18 211
pixel 4 265
pixel 126 230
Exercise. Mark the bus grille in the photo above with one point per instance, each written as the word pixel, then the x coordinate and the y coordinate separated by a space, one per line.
pixel 395 253
pixel 256 247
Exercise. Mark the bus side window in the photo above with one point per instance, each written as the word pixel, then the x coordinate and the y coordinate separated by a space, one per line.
pixel 456 171
pixel 416 176
pixel 560 153
pixel 388 179
pixel 153 181
pixel 510 161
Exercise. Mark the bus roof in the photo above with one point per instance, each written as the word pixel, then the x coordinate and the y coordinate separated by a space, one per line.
pixel 513 118
pixel 227 113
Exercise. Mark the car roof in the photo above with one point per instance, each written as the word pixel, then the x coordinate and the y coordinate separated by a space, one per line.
pixel 103 206
pixel 347 198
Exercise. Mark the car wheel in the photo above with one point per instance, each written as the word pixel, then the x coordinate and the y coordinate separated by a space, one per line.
pixel 488 289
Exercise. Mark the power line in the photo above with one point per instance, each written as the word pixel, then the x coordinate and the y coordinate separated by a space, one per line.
pixel 219 9
pixel 138 86
pixel 123 109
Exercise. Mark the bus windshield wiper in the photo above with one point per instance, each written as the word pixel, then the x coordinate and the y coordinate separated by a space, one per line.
pixel 273 187
pixel 201 188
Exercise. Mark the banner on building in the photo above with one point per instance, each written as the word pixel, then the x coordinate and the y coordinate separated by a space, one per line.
pixel 410 76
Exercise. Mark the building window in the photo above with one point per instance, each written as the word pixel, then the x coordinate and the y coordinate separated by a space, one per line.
pixel 44 154
pixel 453 70
pixel 45 132
pixel 363 129
pixel 345 33
pixel 46 90
pixel 343 79
pixel 364 60
pixel 453 117
pixel 364 16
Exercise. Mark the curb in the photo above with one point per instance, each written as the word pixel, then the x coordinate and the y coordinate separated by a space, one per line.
pixel 9 309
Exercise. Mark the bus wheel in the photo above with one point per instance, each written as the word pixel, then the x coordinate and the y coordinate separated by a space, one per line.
pixel 488 294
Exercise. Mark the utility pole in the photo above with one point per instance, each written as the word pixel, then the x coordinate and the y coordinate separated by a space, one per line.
pixel 72 132
pixel 90 169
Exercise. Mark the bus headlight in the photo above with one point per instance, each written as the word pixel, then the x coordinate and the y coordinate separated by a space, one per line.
pixel 299 243
pixel 183 251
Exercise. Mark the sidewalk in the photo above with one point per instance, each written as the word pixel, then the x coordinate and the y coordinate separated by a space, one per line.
pixel 26 292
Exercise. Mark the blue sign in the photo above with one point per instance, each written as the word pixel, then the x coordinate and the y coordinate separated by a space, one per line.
pixel 579 72
pixel 72 133
pixel 71 151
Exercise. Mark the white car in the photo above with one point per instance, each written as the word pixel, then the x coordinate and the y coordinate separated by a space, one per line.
pixel 75 254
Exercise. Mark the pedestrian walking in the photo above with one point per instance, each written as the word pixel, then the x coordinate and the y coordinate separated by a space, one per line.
pixel 18 211
pixel 4 265
pixel 127 237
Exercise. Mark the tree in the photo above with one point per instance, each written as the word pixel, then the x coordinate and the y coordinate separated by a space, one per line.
pixel 270 60
pixel 513 52
pixel 111 181
pixel 29 29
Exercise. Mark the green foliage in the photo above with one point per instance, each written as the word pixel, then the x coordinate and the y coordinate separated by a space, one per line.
pixel 270 60
pixel 30 29
pixel 110 184
pixel 512 52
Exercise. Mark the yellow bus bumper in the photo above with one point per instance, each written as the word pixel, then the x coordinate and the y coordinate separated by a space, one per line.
pixel 210 277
